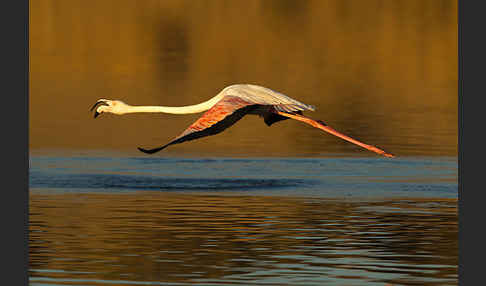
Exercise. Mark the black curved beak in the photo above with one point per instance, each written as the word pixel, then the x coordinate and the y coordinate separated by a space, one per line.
pixel 96 105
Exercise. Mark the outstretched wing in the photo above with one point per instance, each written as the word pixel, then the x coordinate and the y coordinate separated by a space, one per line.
pixel 323 126
pixel 222 115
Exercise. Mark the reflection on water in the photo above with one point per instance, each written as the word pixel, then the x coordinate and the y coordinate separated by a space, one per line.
pixel 157 238
pixel 318 177
pixel 227 221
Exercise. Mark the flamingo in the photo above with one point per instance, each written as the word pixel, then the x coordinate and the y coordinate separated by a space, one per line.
pixel 226 108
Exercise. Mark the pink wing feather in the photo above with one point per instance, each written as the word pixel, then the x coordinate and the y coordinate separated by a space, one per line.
pixel 222 115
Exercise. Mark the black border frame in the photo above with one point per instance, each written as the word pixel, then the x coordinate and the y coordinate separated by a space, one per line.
pixel 15 192
pixel 470 86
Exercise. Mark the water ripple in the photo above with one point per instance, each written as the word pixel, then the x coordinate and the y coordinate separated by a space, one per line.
pixel 169 238
pixel 112 181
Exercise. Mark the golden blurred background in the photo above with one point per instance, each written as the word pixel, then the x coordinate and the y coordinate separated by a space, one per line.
pixel 384 72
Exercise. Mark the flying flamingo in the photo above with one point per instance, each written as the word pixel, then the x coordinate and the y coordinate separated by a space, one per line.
pixel 226 108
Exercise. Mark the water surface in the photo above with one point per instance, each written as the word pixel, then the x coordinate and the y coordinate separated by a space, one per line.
pixel 232 221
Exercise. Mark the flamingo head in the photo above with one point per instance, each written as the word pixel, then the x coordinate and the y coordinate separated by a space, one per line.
pixel 117 107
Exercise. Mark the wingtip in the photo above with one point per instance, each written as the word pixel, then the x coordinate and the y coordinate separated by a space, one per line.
pixel 389 155
pixel 383 153
pixel 147 151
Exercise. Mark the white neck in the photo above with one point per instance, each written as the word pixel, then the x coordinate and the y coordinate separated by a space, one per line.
pixel 174 110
